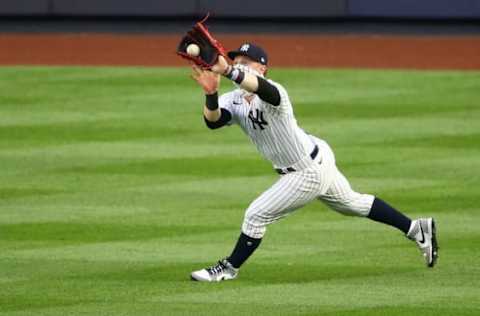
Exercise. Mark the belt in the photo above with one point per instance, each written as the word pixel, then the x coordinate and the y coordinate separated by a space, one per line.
pixel 313 155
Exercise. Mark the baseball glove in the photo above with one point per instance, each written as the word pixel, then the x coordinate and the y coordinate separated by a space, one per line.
pixel 210 48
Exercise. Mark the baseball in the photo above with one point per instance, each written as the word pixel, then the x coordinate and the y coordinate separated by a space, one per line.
pixel 193 50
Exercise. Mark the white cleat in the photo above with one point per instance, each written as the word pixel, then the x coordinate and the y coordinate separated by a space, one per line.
pixel 423 232
pixel 222 271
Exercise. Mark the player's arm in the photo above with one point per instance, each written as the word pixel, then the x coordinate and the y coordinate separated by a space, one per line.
pixel 258 85
pixel 215 117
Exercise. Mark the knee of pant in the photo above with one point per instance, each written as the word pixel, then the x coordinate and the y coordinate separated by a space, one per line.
pixel 345 209
pixel 255 224
pixel 356 205
pixel 254 229
pixel 256 213
pixel 256 219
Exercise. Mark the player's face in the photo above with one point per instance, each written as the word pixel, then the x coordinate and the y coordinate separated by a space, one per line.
pixel 247 61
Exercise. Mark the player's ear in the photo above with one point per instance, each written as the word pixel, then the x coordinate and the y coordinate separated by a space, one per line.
pixel 264 70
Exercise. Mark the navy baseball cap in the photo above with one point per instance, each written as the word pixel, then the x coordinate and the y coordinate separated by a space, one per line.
pixel 252 51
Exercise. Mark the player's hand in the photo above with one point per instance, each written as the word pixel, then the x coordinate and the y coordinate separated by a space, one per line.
pixel 208 80
pixel 221 66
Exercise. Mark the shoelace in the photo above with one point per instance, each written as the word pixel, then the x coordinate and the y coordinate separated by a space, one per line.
pixel 216 269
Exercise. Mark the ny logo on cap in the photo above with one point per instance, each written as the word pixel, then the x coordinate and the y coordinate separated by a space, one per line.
pixel 245 47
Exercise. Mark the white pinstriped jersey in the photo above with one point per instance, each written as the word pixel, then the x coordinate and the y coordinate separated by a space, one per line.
pixel 273 129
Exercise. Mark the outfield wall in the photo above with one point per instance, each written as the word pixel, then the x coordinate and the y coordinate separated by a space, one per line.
pixel 326 51
pixel 431 9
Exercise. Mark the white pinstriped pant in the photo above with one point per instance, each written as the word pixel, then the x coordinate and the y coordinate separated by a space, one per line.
pixel 320 181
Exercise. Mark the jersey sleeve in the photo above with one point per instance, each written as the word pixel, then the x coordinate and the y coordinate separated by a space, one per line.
pixel 226 102
pixel 285 105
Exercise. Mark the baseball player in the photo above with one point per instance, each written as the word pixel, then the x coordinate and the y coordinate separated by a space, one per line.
pixel 305 163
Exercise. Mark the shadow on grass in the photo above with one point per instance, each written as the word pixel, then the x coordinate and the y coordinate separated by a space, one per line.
pixel 181 166
pixel 301 273
pixel 251 274
pixel 18 193
pixel 94 233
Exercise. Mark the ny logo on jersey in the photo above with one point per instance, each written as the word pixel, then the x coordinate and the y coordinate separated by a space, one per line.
pixel 257 119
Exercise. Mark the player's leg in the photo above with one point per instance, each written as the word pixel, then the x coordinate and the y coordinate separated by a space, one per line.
pixel 289 193
pixel 286 195
pixel 342 198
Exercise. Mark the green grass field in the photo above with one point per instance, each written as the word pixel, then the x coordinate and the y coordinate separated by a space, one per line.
pixel 112 190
